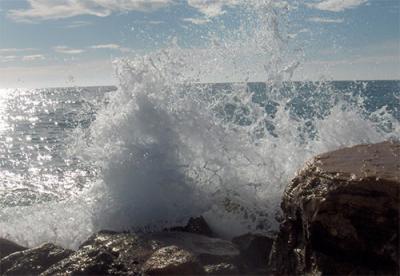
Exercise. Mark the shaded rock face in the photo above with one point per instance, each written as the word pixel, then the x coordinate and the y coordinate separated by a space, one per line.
pixel 32 261
pixel 172 260
pixel 196 226
pixel 341 214
pixel 162 253
pixel 221 269
pixel 254 251
pixel 8 247
pixel 105 253
pixel 207 250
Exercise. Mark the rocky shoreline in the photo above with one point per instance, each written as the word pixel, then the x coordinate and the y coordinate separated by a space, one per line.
pixel 340 217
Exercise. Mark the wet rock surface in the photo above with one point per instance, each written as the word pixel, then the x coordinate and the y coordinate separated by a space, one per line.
pixel 161 253
pixel 341 215
pixel 254 252
pixel 222 269
pixel 105 253
pixel 33 261
pixel 172 260
pixel 8 247
pixel 207 250
pixel 196 225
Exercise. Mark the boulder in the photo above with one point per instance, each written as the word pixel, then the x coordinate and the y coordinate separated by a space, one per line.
pixel 206 250
pixel 160 253
pixel 172 260
pixel 104 253
pixel 254 251
pixel 33 261
pixel 196 226
pixel 221 269
pixel 8 247
pixel 341 214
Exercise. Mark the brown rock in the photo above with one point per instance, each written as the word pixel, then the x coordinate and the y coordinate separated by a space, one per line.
pixel 222 269
pixel 8 247
pixel 104 253
pixel 112 253
pixel 254 251
pixel 33 261
pixel 196 226
pixel 172 260
pixel 206 250
pixel 341 214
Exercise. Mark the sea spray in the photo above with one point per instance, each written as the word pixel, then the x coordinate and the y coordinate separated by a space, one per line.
pixel 169 149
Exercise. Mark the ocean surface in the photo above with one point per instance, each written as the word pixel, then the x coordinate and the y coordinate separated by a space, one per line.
pixel 78 159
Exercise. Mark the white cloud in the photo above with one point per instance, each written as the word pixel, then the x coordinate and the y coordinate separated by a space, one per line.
pixel 105 46
pixel 7 58
pixel 67 50
pixel 337 5
pixel 78 24
pixel 111 46
pixel 197 21
pixel 33 57
pixel 15 50
pixel 55 9
pixel 212 8
pixel 325 20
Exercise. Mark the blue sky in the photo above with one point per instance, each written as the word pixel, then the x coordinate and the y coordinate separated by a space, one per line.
pixel 73 42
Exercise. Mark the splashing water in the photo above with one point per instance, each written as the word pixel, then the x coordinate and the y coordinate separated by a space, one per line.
pixel 167 147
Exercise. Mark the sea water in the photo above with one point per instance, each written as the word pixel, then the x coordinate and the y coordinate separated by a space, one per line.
pixel 163 145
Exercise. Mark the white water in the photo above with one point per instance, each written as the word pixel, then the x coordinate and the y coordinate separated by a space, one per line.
pixel 166 152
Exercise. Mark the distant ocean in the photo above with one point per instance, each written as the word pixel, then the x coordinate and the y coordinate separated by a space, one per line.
pixel 74 160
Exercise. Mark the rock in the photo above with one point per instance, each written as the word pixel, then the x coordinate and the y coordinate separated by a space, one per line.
pixel 172 260
pixel 341 214
pixel 221 269
pixel 104 253
pixel 115 253
pixel 8 247
pixel 254 251
pixel 206 250
pixel 196 226
pixel 33 261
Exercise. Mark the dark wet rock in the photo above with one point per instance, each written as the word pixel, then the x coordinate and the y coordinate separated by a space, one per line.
pixel 341 215
pixel 196 226
pixel 105 253
pixel 221 269
pixel 172 260
pixel 206 250
pixel 254 251
pixel 115 253
pixel 8 247
pixel 33 261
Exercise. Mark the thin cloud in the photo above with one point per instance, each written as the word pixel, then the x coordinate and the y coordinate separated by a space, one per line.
pixel 326 20
pixel 111 46
pixel 50 9
pixel 78 24
pixel 337 5
pixel 67 50
pixel 212 8
pixel 197 21
pixel 16 50
pixel 106 46
pixel 7 58
pixel 33 57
